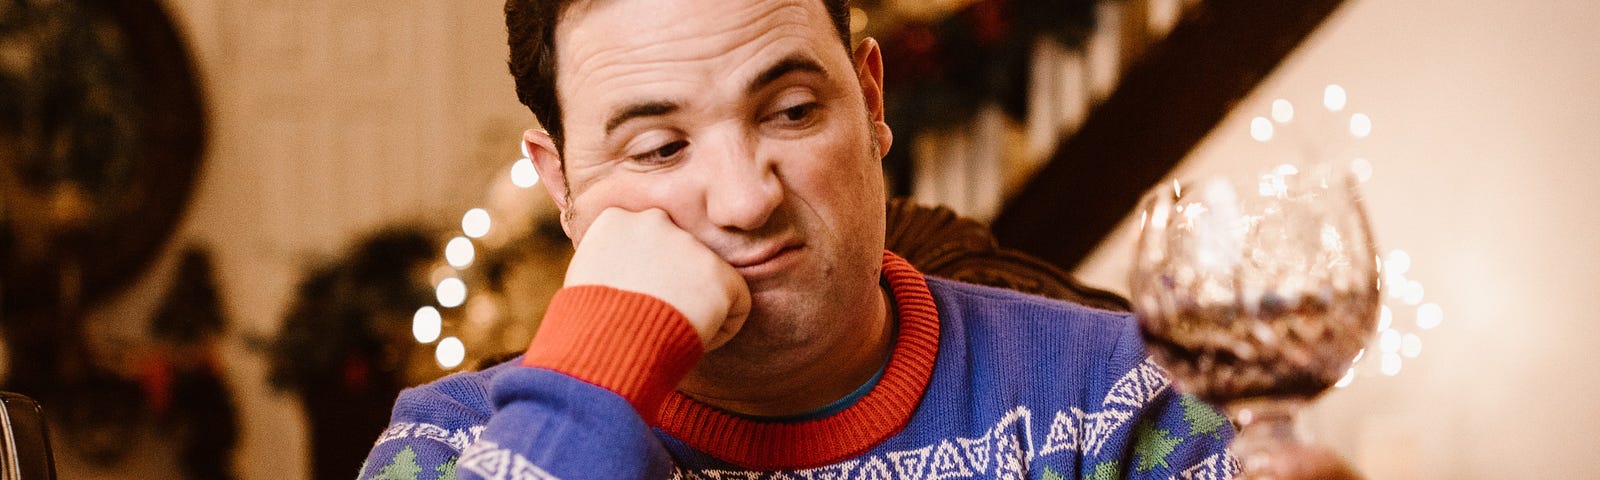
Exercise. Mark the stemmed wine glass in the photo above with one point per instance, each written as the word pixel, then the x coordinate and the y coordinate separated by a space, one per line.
pixel 1257 294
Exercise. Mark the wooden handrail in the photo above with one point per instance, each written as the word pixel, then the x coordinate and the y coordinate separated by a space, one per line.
pixel 1166 103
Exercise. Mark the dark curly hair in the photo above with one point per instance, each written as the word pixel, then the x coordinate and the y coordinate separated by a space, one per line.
pixel 530 32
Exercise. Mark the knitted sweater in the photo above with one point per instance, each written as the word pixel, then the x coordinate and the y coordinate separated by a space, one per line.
pixel 982 383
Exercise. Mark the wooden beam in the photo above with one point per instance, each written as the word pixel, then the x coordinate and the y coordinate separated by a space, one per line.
pixel 1134 33
pixel 1167 102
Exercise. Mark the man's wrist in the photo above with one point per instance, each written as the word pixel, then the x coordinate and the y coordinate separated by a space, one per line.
pixel 628 342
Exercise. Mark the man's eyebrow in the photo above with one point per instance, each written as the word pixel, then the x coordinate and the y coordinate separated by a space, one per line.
pixel 637 110
pixel 795 62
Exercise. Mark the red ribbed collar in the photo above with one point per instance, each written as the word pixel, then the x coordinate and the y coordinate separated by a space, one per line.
pixel 879 415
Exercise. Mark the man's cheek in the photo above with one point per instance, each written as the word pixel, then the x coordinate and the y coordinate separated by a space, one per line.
pixel 630 196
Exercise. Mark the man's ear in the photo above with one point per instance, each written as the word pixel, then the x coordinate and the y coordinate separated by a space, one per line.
pixel 869 71
pixel 542 150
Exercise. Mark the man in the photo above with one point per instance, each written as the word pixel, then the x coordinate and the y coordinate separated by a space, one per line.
pixel 730 311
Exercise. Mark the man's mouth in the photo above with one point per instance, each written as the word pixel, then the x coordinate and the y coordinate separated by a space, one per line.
pixel 768 262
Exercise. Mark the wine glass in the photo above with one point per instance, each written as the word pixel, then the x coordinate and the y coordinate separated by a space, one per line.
pixel 1257 294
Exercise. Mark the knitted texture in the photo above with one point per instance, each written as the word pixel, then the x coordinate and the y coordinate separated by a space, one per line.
pixel 879 415
pixel 627 342
pixel 982 383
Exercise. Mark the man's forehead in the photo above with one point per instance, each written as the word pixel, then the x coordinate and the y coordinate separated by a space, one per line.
pixel 676 30
pixel 659 14
pixel 612 51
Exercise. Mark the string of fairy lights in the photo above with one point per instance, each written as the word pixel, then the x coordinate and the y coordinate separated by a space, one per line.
pixel 1404 314
pixel 427 324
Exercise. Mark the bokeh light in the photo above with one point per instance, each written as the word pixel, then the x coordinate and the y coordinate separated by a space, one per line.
pixel 1429 315
pixel 451 292
pixel 1360 125
pixel 1389 341
pixel 450 352
pixel 1261 129
pixel 459 252
pixel 1333 97
pixel 523 174
pixel 1282 111
pixel 1391 364
pixel 1411 345
pixel 1362 169
pixel 475 223
pixel 426 324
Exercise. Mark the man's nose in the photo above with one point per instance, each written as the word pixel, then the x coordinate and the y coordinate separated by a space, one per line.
pixel 743 188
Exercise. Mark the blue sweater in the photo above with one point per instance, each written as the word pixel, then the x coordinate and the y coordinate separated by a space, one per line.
pixel 983 383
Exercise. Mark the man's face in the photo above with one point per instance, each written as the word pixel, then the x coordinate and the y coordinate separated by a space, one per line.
pixel 745 121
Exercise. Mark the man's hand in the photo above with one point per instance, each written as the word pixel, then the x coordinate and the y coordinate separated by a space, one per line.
pixel 645 252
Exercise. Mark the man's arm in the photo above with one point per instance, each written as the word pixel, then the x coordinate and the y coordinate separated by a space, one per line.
pixel 552 425
pixel 428 430
pixel 570 409
pixel 642 303
pixel 579 404
pixel 1173 434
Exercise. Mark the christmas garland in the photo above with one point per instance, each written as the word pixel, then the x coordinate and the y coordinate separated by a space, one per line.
pixel 938 74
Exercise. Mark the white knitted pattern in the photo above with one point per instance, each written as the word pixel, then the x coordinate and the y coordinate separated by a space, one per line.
pixel 1005 450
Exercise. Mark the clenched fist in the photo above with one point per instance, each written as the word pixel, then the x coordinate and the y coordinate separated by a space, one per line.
pixel 645 252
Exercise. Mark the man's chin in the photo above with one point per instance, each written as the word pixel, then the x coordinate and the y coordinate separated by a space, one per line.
pixel 750 354
pixel 763 333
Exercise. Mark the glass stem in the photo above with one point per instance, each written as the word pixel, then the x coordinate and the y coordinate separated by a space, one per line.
pixel 1267 434
pixel 1269 446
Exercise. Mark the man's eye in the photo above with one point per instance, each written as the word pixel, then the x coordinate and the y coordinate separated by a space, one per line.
pixel 661 154
pixel 798 114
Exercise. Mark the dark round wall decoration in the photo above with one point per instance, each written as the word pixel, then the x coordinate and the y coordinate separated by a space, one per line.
pixel 102 128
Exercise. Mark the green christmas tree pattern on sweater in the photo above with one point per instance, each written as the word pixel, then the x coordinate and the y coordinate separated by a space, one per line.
pixel 404 467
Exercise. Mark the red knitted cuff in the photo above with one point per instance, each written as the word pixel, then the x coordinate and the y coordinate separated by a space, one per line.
pixel 630 343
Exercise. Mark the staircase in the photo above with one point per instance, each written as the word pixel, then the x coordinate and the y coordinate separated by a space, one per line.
pixel 1107 119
